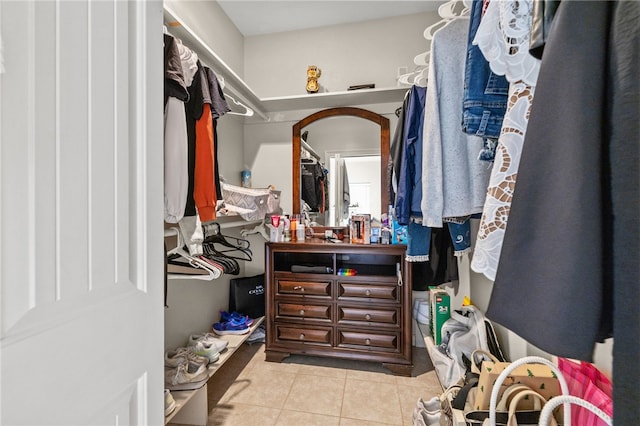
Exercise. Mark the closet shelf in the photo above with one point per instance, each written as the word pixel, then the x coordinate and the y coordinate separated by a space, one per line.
pixel 334 99
pixel 233 83
pixel 235 221
pixel 263 106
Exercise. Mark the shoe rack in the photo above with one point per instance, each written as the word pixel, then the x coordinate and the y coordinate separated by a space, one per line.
pixel 191 405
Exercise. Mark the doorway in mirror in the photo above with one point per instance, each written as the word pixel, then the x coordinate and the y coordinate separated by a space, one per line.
pixel 353 189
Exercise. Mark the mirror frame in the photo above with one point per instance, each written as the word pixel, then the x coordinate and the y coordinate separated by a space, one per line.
pixel 382 121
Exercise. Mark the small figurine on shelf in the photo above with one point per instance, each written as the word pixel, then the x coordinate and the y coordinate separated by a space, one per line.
pixel 313 74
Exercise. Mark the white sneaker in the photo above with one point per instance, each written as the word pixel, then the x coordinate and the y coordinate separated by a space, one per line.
pixel 169 403
pixel 187 376
pixel 206 350
pixel 427 413
pixel 218 343
pixel 418 420
pixel 175 357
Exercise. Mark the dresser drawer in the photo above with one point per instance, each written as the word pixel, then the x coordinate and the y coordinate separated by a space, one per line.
pixel 303 311
pixel 368 315
pixel 363 339
pixel 305 288
pixel 291 333
pixel 368 291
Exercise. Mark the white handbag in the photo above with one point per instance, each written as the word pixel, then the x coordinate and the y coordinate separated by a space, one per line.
pixel 462 334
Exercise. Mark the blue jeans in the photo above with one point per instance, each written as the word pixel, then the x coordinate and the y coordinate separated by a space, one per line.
pixel 460 236
pixel 485 93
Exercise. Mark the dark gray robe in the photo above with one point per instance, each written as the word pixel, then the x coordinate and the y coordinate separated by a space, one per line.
pixel 569 264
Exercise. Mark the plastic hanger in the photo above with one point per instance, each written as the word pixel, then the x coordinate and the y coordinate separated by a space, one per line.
pixel 248 112
pixel 448 10
pixel 258 229
pixel 448 13
pixel 214 241
pixel 433 28
pixel 421 78
pixel 422 59
pixel 179 251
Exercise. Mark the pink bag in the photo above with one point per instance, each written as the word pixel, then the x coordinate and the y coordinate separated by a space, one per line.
pixel 587 382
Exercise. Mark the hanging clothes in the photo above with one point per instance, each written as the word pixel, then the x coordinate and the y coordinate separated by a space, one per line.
pixel 201 194
pixel 503 36
pixel 179 65
pixel 345 191
pixel 219 107
pixel 454 181
pixel 442 266
pixel 314 186
pixel 485 93
pixel 623 128
pixel 395 150
pixel 556 256
pixel 409 192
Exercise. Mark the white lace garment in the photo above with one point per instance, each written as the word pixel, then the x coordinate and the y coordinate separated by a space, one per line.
pixel 503 38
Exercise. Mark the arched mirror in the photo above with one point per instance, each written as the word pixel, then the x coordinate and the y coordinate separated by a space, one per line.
pixel 353 145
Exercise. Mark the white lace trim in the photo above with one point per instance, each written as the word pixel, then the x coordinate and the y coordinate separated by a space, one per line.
pixel 497 205
pixel 503 38
pixel 417 258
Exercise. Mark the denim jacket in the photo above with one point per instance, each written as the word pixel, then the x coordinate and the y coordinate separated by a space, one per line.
pixel 485 93
pixel 409 193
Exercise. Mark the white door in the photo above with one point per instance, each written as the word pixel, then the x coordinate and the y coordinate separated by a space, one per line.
pixel 81 212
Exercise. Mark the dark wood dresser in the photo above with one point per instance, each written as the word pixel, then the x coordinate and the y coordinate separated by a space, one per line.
pixel 313 309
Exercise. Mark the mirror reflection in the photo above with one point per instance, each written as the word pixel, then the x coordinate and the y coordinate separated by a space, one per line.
pixel 340 165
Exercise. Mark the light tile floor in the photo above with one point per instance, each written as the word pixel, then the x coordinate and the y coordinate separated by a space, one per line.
pixel 309 391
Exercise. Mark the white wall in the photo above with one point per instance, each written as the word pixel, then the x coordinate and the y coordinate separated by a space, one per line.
pixel 365 52
pixel 276 64
pixel 209 21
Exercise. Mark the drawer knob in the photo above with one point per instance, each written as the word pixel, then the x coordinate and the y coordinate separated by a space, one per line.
pixel 298 287
pixel 367 317
pixel 301 336
pixel 367 341
pixel 368 292
pixel 301 311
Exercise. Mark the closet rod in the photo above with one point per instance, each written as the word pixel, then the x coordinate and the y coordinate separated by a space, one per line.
pixel 311 151
pixel 233 82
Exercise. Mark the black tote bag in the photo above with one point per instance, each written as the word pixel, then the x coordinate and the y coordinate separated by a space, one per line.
pixel 246 295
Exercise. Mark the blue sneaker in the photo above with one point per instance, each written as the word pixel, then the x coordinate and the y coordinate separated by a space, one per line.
pixel 230 327
pixel 235 316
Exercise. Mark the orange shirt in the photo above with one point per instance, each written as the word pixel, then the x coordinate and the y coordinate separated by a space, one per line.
pixel 204 191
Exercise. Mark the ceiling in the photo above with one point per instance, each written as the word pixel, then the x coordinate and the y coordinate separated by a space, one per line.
pixel 256 17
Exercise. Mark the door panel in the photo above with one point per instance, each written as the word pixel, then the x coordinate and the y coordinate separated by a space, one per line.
pixel 81 212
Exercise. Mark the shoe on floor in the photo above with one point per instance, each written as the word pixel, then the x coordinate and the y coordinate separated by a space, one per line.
pixel 230 327
pixel 186 376
pixel 427 413
pixel 169 403
pixel 218 343
pixel 175 357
